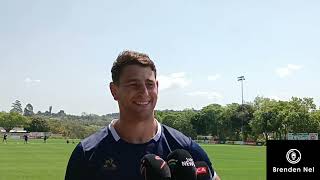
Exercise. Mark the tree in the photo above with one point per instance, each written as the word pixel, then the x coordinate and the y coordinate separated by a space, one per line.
pixel 50 110
pixel 232 121
pixel 56 126
pixel 28 110
pixel 315 118
pixel 208 120
pixel 159 115
pixel 72 130
pixel 61 113
pixel 37 124
pixel 11 120
pixel 171 119
pixel 185 122
pixel 180 121
pixel 16 107
pixel 268 116
pixel 298 115
pixel 280 117
pixel 246 116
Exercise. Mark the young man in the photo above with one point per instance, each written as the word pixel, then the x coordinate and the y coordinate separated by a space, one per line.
pixel 45 138
pixel 25 136
pixel 4 138
pixel 115 152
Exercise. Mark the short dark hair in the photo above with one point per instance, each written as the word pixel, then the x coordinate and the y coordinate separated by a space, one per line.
pixel 128 57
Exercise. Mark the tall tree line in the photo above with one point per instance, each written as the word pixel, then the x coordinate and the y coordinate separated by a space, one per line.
pixel 257 120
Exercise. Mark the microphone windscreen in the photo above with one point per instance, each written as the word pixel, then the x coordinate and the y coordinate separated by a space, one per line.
pixel 181 165
pixel 154 167
pixel 203 172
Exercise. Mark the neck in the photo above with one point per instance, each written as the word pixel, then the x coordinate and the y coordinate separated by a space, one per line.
pixel 136 131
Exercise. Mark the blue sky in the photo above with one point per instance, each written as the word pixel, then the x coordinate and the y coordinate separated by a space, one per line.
pixel 59 53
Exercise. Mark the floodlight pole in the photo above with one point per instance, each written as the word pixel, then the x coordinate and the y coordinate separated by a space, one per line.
pixel 241 78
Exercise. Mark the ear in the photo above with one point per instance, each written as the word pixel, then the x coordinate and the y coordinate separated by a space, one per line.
pixel 157 83
pixel 114 90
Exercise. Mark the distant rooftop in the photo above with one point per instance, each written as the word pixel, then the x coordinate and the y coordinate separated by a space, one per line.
pixel 18 130
pixel 2 130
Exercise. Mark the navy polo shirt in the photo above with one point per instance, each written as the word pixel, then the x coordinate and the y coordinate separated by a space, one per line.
pixel 105 156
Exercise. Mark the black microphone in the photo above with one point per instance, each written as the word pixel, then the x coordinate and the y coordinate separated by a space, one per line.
pixel 181 165
pixel 154 167
pixel 203 171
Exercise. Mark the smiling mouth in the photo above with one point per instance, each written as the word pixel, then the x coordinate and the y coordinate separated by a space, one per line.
pixel 142 102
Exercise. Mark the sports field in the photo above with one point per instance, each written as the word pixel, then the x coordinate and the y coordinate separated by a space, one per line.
pixel 40 161
pixel 238 162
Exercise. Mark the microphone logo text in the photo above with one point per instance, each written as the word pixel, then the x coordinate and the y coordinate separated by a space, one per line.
pixel 188 162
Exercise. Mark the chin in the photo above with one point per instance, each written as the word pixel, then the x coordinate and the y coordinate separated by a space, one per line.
pixel 144 112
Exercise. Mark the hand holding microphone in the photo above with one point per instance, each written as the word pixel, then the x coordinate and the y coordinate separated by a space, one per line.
pixel 154 167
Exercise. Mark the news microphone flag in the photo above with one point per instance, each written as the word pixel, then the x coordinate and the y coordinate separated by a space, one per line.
pixel 203 171
pixel 181 165
pixel 154 167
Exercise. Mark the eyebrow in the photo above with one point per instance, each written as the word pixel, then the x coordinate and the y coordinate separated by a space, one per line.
pixel 131 80
pixel 149 80
pixel 136 80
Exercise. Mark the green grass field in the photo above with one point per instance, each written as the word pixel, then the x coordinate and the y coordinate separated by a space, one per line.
pixel 238 162
pixel 40 161
pixel 33 161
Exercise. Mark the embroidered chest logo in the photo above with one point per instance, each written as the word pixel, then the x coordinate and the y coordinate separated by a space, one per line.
pixel 109 164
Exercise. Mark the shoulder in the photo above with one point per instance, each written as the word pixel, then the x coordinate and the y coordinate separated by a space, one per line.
pixel 178 140
pixel 93 140
pixel 174 136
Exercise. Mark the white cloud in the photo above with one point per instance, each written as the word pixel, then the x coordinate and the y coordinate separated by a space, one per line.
pixel 209 95
pixel 174 80
pixel 28 80
pixel 214 77
pixel 178 75
pixel 288 70
pixel 294 66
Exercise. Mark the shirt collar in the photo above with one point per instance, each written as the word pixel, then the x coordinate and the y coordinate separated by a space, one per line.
pixel 116 137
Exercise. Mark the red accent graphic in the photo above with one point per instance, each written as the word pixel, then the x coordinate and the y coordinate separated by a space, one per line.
pixel 201 170
pixel 163 162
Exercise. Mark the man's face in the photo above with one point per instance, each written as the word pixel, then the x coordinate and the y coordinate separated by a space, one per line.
pixel 137 91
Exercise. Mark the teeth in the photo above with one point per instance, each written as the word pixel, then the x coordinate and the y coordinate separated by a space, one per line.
pixel 142 103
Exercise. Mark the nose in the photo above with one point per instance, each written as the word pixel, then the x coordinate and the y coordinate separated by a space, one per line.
pixel 143 89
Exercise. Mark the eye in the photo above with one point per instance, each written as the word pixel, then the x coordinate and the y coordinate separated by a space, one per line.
pixel 150 85
pixel 130 84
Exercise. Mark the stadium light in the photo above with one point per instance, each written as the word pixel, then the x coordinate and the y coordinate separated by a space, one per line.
pixel 241 78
